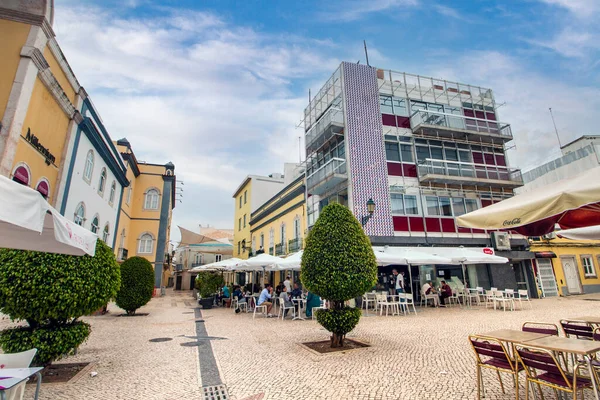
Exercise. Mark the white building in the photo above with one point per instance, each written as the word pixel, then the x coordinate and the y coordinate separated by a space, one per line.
pixel 93 175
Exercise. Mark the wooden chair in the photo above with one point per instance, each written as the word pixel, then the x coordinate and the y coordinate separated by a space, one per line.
pixel 492 354
pixel 543 368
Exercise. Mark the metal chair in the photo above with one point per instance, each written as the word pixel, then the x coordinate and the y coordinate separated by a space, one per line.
pixel 543 368
pixel 491 353
pixel 578 329
pixel 540 327
pixel 17 360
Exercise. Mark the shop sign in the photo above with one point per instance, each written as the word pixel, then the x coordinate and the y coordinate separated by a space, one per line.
pixel 35 142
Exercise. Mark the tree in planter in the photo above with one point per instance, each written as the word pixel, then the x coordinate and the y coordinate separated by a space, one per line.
pixel 50 291
pixel 338 264
pixel 137 284
pixel 208 284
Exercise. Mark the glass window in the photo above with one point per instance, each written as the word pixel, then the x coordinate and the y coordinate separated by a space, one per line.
pixel 240 201
pixel 407 154
pixel 410 204
pixel 588 266
pixel 282 233
pixel 397 204
pixel 79 214
pixel 151 201
pixel 129 193
pixel 105 234
pixel 458 206
pixel 385 103
pixel 244 220
pixel 102 183
pixel 89 166
pixel 437 153
pixel 451 154
pixel 400 107
pixel 245 195
pixel 471 205
pixel 240 224
pixel 113 189
pixel 433 205
pixel 422 153
pixel 262 240
pixel 445 206
pixel 465 156
pixel 417 105
pixel 146 243
pixel 391 151
pixel 95 223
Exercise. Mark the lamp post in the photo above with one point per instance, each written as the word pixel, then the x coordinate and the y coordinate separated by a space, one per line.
pixel 370 210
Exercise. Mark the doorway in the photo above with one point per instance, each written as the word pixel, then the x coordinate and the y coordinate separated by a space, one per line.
pixel 178 281
pixel 569 264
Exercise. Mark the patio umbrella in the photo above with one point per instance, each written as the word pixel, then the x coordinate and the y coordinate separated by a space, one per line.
pixel 28 222
pixel 261 262
pixel 571 203
pixel 219 265
pixel 291 262
pixel 588 233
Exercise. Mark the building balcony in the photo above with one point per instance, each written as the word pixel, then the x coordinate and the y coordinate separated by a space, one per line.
pixel 122 255
pixel 330 124
pixel 271 250
pixel 280 249
pixel 441 125
pixel 328 176
pixel 456 172
pixel 178 267
pixel 295 245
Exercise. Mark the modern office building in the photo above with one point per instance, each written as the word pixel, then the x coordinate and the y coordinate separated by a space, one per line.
pixel 424 150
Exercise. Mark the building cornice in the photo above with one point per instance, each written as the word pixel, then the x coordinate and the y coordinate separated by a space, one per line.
pixel 28 18
pixel 63 63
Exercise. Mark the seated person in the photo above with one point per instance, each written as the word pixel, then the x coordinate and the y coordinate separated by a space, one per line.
pixel 265 299
pixel 312 300
pixel 239 295
pixel 445 292
pixel 226 295
pixel 297 294
pixel 279 288
pixel 286 300
pixel 428 289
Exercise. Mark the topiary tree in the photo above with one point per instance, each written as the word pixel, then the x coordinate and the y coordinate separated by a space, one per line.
pixel 208 283
pixel 338 264
pixel 50 291
pixel 137 284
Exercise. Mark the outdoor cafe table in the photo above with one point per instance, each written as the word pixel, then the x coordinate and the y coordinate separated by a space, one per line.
pixel 10 377
pixel 585 348
pixel 513 336
pixel 299 313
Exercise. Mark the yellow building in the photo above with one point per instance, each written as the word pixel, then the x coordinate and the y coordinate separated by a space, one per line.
pixel 144 224
pixel 38 97
pixel 279 225
pixel 253 192
pixel 574 264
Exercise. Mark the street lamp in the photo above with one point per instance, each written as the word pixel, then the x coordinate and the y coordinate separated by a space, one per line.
pixel 370 210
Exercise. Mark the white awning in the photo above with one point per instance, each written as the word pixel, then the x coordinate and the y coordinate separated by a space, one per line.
pixel 588 233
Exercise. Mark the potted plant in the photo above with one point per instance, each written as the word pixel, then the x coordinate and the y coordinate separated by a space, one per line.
pixel 208 284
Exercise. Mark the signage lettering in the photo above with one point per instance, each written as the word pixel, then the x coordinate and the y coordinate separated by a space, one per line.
pixel 35 142
pixel 489 251
pixel 512 222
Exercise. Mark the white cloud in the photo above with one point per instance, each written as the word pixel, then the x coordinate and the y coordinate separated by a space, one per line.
pixel 571 43
pixel 581 8
pixel 185 86
pixel 352 10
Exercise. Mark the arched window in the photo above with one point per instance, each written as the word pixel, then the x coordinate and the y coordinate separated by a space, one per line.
pixel 105 234
pixel 43 187
pixel 21 174
pixel 79 214
pixel 89 167
pixel 113 189
pixel 151 201
pixel 102 182
pixel 95 224
pixel 146 243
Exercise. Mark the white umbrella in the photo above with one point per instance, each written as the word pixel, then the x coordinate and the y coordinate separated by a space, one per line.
pixel 28 222
pixel 291 262
pixel 261 262
pixel 219 265
pixel 588 233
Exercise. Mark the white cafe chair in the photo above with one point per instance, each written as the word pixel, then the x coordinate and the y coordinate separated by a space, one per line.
pixel 17 360
pixel 523 295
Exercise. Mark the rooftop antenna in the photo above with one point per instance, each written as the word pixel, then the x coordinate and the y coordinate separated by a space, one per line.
pixel 555 130
pixel 366 52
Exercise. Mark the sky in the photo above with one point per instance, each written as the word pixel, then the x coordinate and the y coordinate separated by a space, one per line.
pixel 219 87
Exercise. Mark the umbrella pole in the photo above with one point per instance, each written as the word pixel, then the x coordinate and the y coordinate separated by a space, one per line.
pixel 465 288
pixel 410 283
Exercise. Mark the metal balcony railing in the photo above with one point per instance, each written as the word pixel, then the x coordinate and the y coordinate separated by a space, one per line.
pixel 295 245
pixel 468 172
pixel 329 124
pixel 123 253
pixel 331 167
pixel 421 119
pixel 280 249
pixel 179 267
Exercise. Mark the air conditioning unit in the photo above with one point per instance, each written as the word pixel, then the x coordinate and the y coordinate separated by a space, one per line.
pixel 501 241
pixel 549 236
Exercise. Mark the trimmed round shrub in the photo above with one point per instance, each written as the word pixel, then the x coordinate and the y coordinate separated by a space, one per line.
pixel 51 342
pixel 208 283
pixel 137 284
pixel 338 264
pixel 49 289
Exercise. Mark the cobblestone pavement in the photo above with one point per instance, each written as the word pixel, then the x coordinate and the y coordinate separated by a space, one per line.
pixel 426 356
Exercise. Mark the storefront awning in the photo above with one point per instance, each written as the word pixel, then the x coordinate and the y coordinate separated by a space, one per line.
pixel 544 254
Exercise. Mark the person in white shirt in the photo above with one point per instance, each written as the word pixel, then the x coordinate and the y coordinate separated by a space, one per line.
pixel 399 284
pixel 288 284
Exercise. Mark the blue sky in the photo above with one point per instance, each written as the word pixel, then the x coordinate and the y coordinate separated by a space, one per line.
pixel 218 87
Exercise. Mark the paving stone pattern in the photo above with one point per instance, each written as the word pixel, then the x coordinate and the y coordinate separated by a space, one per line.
pixel 426 356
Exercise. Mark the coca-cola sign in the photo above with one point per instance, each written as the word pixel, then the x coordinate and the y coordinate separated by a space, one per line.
pixel 512 222
pixel 488 251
